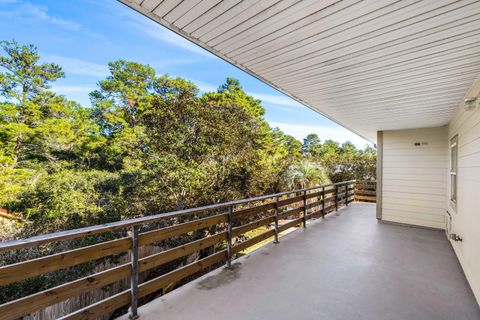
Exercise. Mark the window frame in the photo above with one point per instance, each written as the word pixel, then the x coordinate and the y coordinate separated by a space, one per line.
pixel 453 172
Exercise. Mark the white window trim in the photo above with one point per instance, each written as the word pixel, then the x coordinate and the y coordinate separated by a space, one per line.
pixel 453 172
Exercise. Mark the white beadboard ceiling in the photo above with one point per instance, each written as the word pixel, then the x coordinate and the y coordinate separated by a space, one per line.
pixel 368 65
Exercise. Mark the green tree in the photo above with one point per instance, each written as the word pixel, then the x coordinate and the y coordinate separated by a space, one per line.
pixel 306 174
pixel 40 132
pixel 24 85
pixel 311 145
pixel 118 105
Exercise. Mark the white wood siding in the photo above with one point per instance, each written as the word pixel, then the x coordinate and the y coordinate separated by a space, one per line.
pixel 414 177
pixel 466 216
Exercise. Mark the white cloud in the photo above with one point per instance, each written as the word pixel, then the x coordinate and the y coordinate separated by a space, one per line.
pixel 78 66
pixel 159 64
pixel 280 108
pixel 66 90
pixel 278 100
pixel 336 133
pixel 78 93
pixel 40 13
pixel 156 31
pixel 204 87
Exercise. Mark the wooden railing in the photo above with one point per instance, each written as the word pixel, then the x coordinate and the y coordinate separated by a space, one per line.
pixel 222 224
pixel 365 191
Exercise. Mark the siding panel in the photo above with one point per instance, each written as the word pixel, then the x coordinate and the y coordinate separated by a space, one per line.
pixel 466 215
pixel 415 177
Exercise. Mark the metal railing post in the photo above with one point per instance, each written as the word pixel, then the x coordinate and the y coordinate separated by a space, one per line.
pixel 229 237
pixel 346 194
pixel 304 208
pixel 134 275
pixel 276 220
pixel 323 202
pixel 336 197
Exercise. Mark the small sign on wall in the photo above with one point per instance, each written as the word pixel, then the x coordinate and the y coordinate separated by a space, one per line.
pixel 420 144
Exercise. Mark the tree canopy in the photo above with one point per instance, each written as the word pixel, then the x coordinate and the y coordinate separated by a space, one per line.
pixel 148 143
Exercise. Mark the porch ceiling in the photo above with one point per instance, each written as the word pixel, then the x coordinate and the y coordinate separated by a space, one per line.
pixel 368 65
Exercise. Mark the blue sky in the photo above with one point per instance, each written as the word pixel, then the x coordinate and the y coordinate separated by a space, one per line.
pixel 84 35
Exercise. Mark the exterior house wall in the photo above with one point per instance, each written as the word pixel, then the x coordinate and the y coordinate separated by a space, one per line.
pixel 414 173
pixel 465 216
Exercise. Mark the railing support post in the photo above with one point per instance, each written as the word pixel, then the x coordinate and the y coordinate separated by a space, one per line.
pixel 134 275
pixel 355 191
pixel 276 220
pixel 229 237
pixel 336 198
pixel 323 202
pixel 304 208
pixel 346 194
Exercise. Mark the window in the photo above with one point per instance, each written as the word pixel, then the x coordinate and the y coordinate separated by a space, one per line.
pixel 453 170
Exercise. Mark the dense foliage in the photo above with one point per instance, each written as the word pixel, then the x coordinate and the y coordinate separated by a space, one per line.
pixel 149 143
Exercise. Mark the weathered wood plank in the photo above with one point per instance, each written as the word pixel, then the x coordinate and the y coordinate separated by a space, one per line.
pixel 290 212
pixel 178 274
pixel 250 242
pixel 290 224
pixel 24 270
pixel 285 202
pixel 239 214
pixel 369 198
pixel 329 199
pixel 314 194
pixel 314 204
pixel 100 308
pixel 329 191
pixel 366 192
pixel 366 186
pixel 182 228
pixel 24 306
pixel 178 252
pixel 253 225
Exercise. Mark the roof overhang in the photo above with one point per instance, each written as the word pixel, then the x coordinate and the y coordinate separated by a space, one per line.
pixel 367 65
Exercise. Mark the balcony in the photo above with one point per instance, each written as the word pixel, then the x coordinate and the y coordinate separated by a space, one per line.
pixel 346 266
pixel 329 259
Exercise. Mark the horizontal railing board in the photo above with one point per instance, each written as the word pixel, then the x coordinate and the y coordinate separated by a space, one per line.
pixel 101 307
pixel 179 229
pixel 314 204
pixel 370 198
pixel 329 191
pixel 290 224
pixel 24 270
pixel 365 192
pixel 329 199
pixel 252 241
pixel 251 226
pixel 253 210
pixel 366 187
pixel 180 251
pixel 290 212
pixel 314 194
pixel 288 201
pixel 24 306
pixel 180 273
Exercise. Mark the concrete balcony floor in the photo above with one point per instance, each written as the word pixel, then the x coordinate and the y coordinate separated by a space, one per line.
pixel 344 267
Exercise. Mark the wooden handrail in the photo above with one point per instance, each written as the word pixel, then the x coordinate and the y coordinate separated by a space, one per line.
pixel 83 232
pixel 301 204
